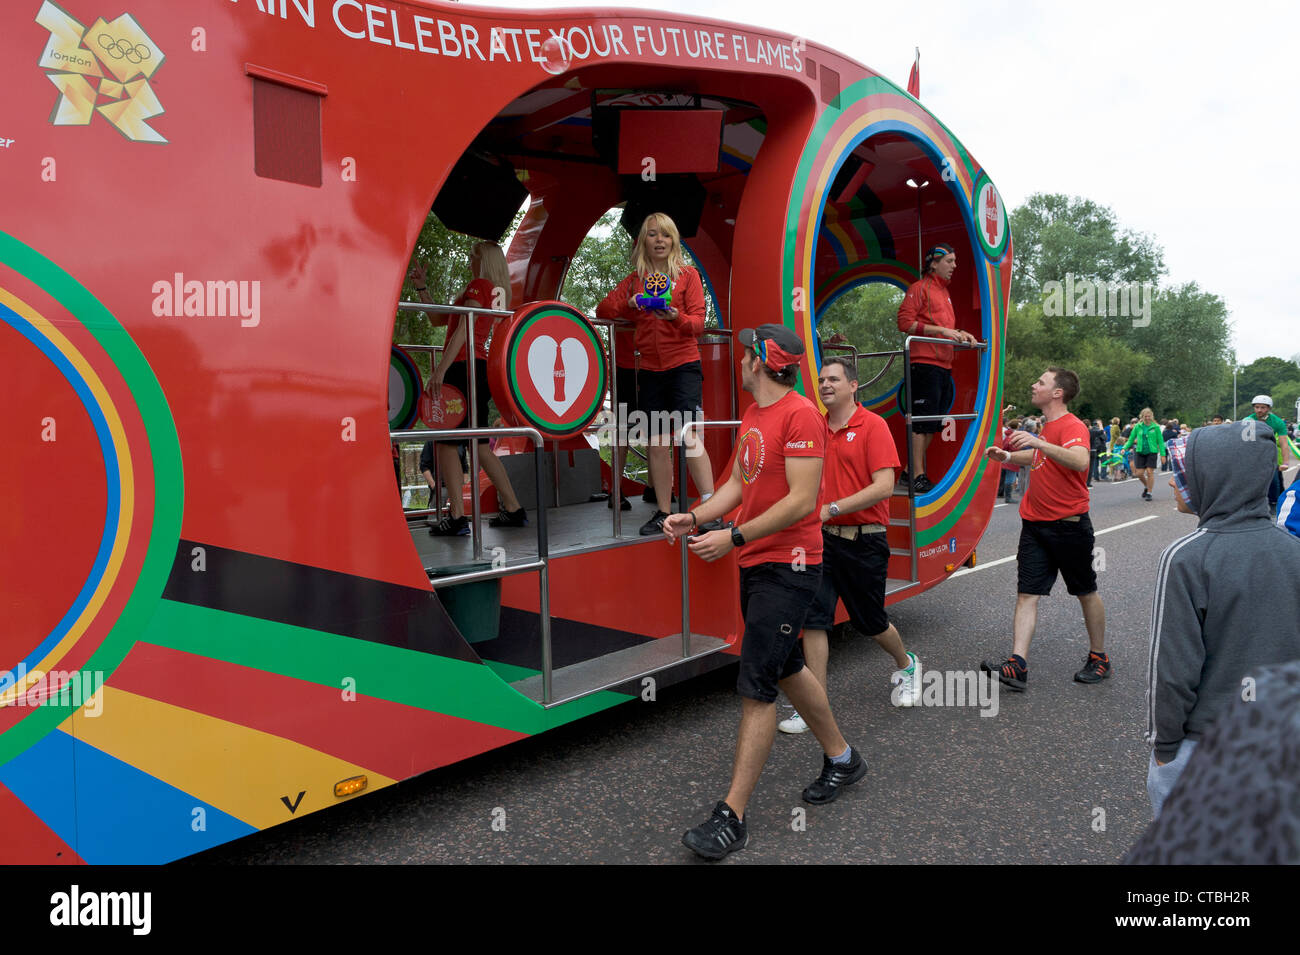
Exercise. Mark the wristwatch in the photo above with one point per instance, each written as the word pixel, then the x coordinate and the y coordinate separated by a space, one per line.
pixel 737 538
pixel 834 508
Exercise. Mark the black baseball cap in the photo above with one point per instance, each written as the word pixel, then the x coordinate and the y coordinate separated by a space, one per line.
pixel 775 345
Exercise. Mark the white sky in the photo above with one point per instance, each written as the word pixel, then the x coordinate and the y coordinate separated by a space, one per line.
pixel 1179 116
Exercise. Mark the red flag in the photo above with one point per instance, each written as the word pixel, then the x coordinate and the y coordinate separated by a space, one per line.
pixel 914 79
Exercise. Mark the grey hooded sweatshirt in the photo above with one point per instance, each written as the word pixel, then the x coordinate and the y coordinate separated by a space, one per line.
pixel 1227 597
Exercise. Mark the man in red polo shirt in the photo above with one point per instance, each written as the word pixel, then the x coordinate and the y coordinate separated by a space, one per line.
pixel 857 483
pixel 1055 533
pixel 926 310
pixel 775 478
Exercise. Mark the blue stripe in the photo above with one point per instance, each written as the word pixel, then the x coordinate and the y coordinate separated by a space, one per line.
pixel 41 776
pixel 109 451
pixel 109 811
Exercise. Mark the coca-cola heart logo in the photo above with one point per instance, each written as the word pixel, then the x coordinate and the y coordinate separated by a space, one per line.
pixel 559 370
pixel 554 366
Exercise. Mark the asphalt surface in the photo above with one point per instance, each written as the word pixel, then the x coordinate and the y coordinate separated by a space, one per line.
pixel 1055 775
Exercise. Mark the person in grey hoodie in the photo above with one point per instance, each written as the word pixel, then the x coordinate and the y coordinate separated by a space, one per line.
pixel 1214 617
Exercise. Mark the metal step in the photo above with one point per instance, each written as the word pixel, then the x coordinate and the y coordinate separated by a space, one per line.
pixel 895 584
pixel 899 522
pixel 601 673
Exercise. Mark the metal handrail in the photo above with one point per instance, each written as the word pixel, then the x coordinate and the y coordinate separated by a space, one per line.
pixel 541 565
pixel 680 443
pixel 908 420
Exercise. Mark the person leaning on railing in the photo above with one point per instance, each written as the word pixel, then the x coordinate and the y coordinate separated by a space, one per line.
pixel 490 288
pixel 926 310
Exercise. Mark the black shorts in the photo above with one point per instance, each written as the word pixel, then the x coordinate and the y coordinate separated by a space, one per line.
pixel 774 599
pixel 678 391
pixel 456 375
pixel 1141 461
pixel 932 393
pixel 627 395
pixel 1050 546
pixel 853 571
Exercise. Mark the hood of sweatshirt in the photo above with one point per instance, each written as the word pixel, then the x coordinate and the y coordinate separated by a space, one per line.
pixel 1229 467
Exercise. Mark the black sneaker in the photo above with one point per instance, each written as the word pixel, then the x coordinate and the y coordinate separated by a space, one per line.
pixel 834 777
pixel 1013 673
pixel 450 527
pixel 1146 496
pixel 723 833
pixel 1095 669
pixel 922 485
pixel 623 503
pixel 655 525
pixel 517 518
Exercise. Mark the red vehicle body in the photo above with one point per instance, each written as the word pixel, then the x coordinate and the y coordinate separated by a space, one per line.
pixel 215 611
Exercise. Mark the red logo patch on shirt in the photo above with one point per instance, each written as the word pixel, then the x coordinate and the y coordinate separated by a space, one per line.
pixel 750 455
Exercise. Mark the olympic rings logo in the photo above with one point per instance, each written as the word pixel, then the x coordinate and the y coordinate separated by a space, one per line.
pixel 123 49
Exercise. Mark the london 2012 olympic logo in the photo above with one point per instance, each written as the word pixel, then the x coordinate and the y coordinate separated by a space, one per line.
pixel 114 59
pixel 749 455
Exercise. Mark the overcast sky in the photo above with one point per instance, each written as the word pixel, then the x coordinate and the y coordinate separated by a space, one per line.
pixel 1179 116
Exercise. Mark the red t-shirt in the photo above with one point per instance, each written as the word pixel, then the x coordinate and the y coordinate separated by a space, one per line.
pixel 927 303
pixel 790 428
pixel 854 453
pixel 1054 490
pixel 481 291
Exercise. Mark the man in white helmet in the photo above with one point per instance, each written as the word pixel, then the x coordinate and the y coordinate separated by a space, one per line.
pixel 1264 412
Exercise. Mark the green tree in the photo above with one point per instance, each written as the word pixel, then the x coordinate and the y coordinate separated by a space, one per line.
pixel 1057 235
pixel 1268 376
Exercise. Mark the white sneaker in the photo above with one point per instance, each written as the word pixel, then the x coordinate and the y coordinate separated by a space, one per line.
pixel 794 724
pixel 907 686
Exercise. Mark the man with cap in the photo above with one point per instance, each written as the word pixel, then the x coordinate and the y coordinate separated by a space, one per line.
pixel 857 483
pixel 775 479
pixel 1263 405
pixel 926 310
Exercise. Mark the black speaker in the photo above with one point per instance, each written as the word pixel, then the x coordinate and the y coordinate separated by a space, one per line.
pixel 480 197
pixel 680 197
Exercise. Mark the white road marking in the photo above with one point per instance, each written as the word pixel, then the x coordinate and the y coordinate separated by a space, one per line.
pixel 1007 560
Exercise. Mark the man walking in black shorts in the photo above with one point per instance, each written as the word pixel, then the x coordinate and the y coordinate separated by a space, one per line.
pixel 927 310
pixel 1055 533
pixel 775 479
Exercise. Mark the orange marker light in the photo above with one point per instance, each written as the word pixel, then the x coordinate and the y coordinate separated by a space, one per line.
pixel 349 787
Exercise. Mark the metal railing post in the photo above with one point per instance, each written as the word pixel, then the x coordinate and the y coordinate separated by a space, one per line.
pixel 681 504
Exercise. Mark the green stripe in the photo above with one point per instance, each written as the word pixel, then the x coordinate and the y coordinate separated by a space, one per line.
pixel 168 478
pixel 469 691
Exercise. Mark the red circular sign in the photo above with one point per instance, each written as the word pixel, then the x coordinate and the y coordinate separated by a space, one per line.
pixel 446 409
pixel 548 369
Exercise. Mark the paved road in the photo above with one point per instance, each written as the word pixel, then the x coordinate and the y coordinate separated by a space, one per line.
pixel 1056 776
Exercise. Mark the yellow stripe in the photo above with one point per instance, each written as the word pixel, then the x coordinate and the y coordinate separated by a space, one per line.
pixel 241 771
pixel 126 512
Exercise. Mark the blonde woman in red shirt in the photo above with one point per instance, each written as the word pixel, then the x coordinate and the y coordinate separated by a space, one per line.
pixel 490 288
pixel 670 380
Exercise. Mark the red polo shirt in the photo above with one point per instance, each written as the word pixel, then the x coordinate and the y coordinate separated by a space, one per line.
pixel 853 455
